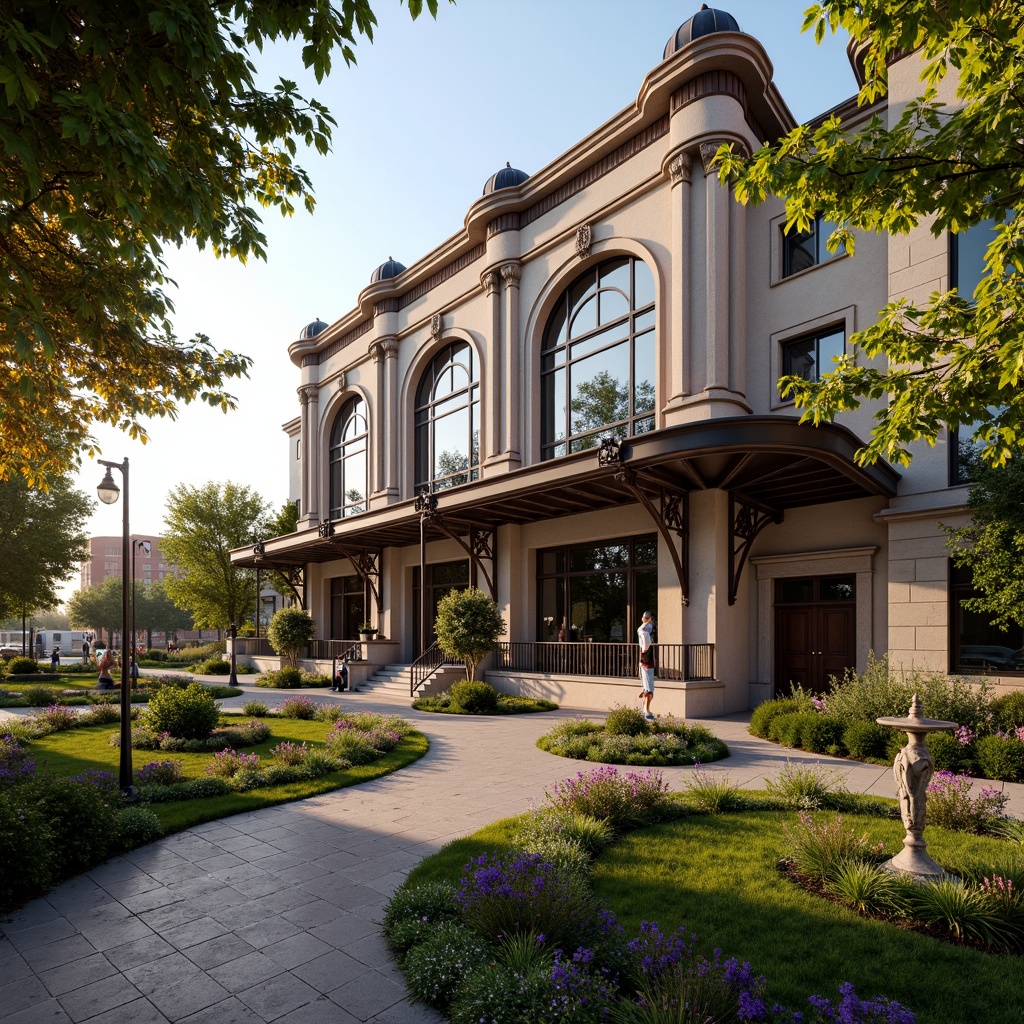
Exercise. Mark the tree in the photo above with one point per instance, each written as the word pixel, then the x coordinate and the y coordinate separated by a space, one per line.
pixel 468 626
pixel 128 127
pixel 42 541
pixel 286 521
pixel 992 544
pixel 956 359
pixel 97 607
pixel 203 525
pixel 156 612
pixel 289 631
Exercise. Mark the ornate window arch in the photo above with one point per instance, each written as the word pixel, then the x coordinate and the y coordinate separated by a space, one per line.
pixel 598 358
pixel 347 460
pixel 447 419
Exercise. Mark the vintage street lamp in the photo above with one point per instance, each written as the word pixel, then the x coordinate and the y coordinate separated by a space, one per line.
pixel 108 492
pixel 426 505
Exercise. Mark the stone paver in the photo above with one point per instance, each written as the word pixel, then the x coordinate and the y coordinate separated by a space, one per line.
pixel 274 915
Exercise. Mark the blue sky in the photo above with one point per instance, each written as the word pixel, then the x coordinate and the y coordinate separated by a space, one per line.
pixel 430 111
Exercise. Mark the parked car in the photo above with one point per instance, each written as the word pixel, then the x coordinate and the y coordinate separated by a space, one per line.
pixel 988 656
pixel 7 652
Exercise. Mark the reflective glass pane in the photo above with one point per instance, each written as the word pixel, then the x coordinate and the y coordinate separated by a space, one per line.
pixel 830 346
pixel 554 335
pixel 585 318
pixel 600 389
pixel 556 412
pixel 552 561
pixel 643 285
pixel 798 251
pixel 422 454
pixel 355 482
pixel 797 591
pixel 825 229
pixel 614 274
pixel 970 256
pixel 645 584
pixel 643 426
pixel 839 588
pixel 586 557
pixel 645 551
pixel 608 336
pixel 598 606
pixel 798 358
pixel 552 609
pixel 584 287
pixel 613 306
pixel 643 321
pixel 449 405
pixel 643 373
pixel 451 443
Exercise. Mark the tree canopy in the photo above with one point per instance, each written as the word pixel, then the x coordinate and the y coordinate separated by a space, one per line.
pixel 290 630
pixel 98 607
pixel 468 626
pixel 956 359
pixel 128 127
pixel 42 541
pixel 203 525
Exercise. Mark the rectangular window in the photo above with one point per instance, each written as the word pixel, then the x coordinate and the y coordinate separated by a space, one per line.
pixel 967 257
pixel 811 355
pixel 976 647
pixel 804 249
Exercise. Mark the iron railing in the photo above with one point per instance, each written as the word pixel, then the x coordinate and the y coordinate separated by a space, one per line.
pixel 425 666
pixel 334 650
pixel 684 662
pixel 258 647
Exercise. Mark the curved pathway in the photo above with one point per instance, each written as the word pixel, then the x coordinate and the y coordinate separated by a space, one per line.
pixel 274 915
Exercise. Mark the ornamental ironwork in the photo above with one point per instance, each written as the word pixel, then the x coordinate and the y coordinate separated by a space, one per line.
pixel 326 528
pixel 610 452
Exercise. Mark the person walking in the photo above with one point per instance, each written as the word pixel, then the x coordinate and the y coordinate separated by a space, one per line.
pixel 55 659
pixel 643 636
pixel 85 652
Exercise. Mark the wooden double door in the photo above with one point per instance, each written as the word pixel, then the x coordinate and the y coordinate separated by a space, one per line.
pixel 815 631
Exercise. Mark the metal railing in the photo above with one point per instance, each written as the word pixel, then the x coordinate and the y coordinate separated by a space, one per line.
pixel 684 662
pixel 257 647
pixel 425 666
pixel 334 650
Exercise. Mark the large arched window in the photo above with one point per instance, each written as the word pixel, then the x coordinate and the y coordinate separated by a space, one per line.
pixel 448 420
pixel 348 450
pixel 597 361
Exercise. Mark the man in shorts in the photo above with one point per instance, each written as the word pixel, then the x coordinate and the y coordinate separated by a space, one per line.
pixel 643 635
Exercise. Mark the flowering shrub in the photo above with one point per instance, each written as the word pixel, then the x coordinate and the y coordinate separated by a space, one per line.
pixel 952 805
pixel 137 825
pixel 624 801
pixel 14 761
pixel 56 718
pixel 351 745
pixel 159 773
pixel 438 966
pixel 666 741
pixel 499 898
pixel 290 753
pixel 382 739
pixel 298 707
pixel 819 848
pixel 227 763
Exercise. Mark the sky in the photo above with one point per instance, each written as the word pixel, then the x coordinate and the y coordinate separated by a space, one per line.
pixel 428 113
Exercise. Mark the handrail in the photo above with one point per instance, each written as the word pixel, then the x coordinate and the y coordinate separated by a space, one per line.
pixel 425 666
pixel 683 662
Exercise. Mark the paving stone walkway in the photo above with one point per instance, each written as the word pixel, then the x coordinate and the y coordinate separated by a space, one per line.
pixel 274 915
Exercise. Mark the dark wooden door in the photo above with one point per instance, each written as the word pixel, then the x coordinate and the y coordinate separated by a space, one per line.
pixel 812 644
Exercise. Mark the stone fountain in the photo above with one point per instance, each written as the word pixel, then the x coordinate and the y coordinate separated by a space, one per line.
pixel 913 769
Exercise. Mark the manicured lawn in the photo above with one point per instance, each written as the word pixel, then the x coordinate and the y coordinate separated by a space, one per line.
pixel 78 750
pixel 718 877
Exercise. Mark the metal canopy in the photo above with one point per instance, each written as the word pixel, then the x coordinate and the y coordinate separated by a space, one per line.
pixel 774 461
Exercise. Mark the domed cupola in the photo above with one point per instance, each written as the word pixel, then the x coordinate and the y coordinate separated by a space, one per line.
pixel 507 177
pixel 703 23
pixel 312 330
pixel 386 271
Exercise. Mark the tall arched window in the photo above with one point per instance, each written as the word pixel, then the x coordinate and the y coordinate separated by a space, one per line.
pixel 597 361
pixel 348 450
pixel 448 420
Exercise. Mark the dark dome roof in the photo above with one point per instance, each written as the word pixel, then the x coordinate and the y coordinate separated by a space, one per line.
pixel 386 271
pixel 703 23
pixel 507 177
pixel 312 330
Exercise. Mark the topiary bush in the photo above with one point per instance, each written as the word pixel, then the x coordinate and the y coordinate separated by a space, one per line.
pixel 136 826
pixel 189 714
pixel 823 735
pixel 214 667
pixel 290 630
pixel 1008 710
pixel 468 626
pixel 474 698
pixel 625 721
pixel 22 666
pixel 866 740
pixel 1000 757
pixel 764 714
pixel 788 728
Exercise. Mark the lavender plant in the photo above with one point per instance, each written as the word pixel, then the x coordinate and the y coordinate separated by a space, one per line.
pixel 952 804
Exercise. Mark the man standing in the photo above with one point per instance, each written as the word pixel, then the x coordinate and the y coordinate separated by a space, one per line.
pixel 643 635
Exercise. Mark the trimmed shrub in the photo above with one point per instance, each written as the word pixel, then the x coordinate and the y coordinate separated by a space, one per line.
pixel 255 709
pixel 1008 710
pixel 214 667
pixel 22 666
pixel 474 698
pixel 625 721
pixel 189 714
pixel 787 728
pixel 154 655
pixel 1000 757
pixel 135 826
pixel 949 754
pixel 867 739
pixel 290 630
pixel 823 735
pixel 415 911
pixel 436 968
pixel 286 678
pixel 764 714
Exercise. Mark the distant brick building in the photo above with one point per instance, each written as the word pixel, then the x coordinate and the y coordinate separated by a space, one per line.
pixel 105 560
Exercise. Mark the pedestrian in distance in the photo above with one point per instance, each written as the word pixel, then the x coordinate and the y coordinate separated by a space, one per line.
pixel 85 652
pixel 340 683
pixel 55 659
pixel 643 636
pixel 105 681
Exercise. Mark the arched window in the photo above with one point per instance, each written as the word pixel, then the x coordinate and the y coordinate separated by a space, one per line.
pixel 597 361
pixel 448 420
pixel 348 450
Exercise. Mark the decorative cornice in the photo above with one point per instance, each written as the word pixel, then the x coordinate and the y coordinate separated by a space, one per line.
pixel 506 222
pixel 311 359
pixel 711 83
pixel 390 305
pixel 584 237
pixel 450 270
pixel 511 272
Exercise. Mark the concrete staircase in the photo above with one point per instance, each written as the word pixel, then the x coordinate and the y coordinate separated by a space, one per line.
pixel 395 680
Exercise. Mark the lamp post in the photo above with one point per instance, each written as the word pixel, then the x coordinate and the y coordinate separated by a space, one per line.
pixel 233 678
pixel 108 492
pixel 426 505
pixel 146 549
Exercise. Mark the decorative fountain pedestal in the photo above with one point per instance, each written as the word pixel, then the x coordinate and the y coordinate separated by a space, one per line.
pixel 913 768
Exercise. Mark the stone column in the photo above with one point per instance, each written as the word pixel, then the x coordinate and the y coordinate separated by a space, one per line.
pixel 679 382
pixel 309 396
pixel 717 274
pixel 512 358
pixel 386 427
pixel 493 396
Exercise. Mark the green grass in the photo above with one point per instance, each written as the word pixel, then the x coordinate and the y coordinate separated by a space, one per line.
pixel 718 877
pixel 78 750
pixel 507 705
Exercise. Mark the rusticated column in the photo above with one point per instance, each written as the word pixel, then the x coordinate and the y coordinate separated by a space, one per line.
pixel 512 358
